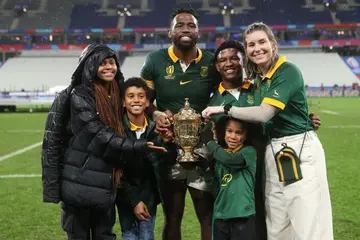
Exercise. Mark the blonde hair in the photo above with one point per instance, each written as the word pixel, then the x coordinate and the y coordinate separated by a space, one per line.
pixel 251 68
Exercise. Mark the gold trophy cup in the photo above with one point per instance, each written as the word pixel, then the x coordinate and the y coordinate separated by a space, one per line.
pixel 187 126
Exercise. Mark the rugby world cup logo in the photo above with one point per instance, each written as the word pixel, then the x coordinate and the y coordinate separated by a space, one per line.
pixel 169 71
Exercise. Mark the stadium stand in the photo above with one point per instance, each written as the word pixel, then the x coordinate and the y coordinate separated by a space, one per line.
pixel 65 25
pixel 322 68
pixel 38 70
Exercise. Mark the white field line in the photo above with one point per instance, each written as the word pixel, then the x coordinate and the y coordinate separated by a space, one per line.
pixel 330 112
pixel 343 126
pixel 20 176
pixel 20 151
pixel 24 131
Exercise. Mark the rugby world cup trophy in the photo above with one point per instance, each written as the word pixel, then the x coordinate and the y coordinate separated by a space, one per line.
pixel 187 127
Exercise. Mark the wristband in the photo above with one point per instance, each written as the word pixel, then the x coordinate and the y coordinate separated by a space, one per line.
pixel 227 108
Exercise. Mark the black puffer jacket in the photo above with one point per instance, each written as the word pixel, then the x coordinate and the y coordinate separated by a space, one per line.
pixel 56 135
pixel 94 148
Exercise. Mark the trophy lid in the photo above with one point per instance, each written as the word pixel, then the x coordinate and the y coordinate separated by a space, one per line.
pixel 187 112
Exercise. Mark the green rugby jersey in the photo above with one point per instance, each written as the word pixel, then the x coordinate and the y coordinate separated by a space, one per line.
pixel 163 72
pixel 235 171
pixel 223 97
pixel 283 87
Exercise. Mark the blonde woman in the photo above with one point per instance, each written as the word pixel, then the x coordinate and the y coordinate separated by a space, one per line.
pixel 297 199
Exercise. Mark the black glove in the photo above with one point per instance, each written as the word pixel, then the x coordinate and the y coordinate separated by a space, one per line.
pixel 206 136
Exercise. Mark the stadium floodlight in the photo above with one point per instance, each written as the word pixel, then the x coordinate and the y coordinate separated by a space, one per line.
pixel 123 10
pixel 20 10
pixel 226 8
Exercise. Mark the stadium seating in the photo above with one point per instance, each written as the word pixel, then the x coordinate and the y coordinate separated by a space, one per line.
pixel 349 16
pixel 87 16
pixel 5 22
pixel 38 71
pixel 324 68
pixel 133 3
pixel 280 12
pixel 31 5
pixel 132 64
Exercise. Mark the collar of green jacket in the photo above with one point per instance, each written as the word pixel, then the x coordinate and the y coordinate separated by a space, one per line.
pixel 126 123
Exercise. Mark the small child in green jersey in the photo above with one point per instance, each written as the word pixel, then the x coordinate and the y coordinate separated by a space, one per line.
pixel 234 172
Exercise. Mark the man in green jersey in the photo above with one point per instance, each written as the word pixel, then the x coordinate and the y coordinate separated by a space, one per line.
pixel 237 91
pixel 176 73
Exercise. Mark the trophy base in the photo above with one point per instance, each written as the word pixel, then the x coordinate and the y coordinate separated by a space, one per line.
pixel 187 160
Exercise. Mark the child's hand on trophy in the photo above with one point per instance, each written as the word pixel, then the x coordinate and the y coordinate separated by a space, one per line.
pixel 207 135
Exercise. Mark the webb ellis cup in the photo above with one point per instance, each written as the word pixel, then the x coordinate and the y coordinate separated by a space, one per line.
pixel 187 124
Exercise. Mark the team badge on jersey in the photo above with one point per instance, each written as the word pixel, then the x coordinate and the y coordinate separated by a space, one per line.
pixel 268 83
pixel 226 179
pixel 250 100
pixel 170 71
pixel 204 71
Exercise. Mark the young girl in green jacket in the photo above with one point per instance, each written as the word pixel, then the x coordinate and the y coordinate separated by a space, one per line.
pixel 234 173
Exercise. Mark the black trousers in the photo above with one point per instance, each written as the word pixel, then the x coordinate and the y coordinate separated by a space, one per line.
pixel 87 223
pixel 234 229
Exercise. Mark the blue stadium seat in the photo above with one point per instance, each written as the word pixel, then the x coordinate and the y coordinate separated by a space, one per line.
pixel 133 3
pixel 32 5
pixel 86 16
pixel 280 12
pixel 349 16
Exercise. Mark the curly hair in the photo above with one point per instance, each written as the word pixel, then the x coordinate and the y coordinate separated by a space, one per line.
pixel 220 129
pixel 134 82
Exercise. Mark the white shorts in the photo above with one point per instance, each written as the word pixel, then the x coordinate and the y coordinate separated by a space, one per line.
pixel 194 177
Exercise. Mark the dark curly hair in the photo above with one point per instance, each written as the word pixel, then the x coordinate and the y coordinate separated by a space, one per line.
pixel 229 44
pixel 220 129
pixel 134 82
pixel 183 10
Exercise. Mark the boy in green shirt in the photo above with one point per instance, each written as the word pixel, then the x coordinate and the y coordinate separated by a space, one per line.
pixel 234 173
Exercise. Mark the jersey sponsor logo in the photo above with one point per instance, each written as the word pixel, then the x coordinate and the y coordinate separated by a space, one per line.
pixel 185 82
pixel 276 94
pixel 226 179
pixel 169 71
pixel 250 100
pixel 204 71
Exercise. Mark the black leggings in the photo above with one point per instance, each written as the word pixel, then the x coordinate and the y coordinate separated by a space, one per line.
pixel 87 223
pixel 234 229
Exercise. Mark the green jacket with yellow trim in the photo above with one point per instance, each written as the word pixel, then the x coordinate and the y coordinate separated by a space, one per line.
pixel 143 180
pixel 235 174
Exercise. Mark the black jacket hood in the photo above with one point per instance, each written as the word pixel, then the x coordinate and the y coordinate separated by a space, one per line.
pixel 89 62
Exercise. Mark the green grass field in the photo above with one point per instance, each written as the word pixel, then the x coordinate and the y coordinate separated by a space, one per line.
pixel 24 216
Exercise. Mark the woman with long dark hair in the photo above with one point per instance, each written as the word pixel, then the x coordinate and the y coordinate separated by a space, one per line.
pixel 91 168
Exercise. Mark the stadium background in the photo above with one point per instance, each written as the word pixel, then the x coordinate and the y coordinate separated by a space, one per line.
pixel 40 41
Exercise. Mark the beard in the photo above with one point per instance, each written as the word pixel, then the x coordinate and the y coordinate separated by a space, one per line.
pixel 184 47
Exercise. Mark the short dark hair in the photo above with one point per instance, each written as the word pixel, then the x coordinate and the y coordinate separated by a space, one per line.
pixel 213 72
pixel 179 10
pixel 134 82
pixel 229 44
pixel 220 129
